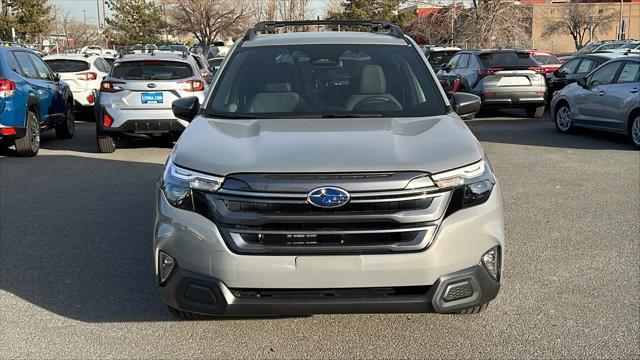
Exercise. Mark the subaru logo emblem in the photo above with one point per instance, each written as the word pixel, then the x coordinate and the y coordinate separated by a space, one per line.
pixel 151 85
pixel 328 197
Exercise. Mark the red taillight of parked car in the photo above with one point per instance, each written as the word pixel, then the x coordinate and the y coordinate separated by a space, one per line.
pixel 192 85
pixel 489 71
pixel 91 99
pixel 87 76
pixel 537 69
pixel 7 88
pixel 7 131
pixel 106 120
pixel 455 85
pixel 111 86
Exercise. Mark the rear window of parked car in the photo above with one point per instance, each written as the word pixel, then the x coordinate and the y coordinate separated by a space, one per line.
pixel 546 59
pixel 67 66
pixel 506 59
pixel 151 70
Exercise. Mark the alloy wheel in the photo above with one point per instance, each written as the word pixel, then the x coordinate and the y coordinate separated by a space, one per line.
pixel 563 118
pixel 635 130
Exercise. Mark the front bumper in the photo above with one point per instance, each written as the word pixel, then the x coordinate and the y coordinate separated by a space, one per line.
pixel 201 294
pixel 201 252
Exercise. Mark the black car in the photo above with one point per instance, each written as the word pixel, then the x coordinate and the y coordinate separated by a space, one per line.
pixel 439 55
pixel 574 69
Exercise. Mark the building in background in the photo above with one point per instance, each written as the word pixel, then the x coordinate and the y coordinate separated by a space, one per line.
pixel 546 10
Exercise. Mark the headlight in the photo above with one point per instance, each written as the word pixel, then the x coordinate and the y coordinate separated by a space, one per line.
pixel 178 182
pixel 472 183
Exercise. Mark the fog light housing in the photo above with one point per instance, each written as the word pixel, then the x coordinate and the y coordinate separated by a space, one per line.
pixel 165 266
pixel 491 262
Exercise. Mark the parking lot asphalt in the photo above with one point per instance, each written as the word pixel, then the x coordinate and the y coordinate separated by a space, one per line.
pixel 76 269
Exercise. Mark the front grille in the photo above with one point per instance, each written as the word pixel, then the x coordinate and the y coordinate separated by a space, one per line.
pixel 351 208
pixel 281 223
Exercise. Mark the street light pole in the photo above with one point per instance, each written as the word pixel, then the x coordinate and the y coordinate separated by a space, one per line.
pixel 84 15
pixel 620 25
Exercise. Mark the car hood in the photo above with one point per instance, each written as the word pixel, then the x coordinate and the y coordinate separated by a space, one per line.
pixel 223 147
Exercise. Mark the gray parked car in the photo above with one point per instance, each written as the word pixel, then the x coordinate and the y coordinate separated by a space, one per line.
pixel 502 78
pixel 327 172
pixel 606 99
pixel 137 94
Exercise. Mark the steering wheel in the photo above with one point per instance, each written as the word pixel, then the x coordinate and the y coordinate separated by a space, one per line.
pixel 376 103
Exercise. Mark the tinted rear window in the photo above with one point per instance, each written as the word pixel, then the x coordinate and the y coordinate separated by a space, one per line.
pixel 507 59
pixel 64 66
pixel 151 70
pixel 437 58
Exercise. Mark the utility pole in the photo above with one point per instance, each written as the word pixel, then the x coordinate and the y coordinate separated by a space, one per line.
pixel 621 24
pixel 84 15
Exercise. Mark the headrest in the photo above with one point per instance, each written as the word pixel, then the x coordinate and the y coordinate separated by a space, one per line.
pixel 372 80
pixel 277 87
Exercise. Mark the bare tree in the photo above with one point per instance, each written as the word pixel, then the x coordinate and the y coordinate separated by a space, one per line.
pixel 78 31
pixel 580 20
pixel 208 20
pixel 437 27
pixel 286 10
pixel 495 23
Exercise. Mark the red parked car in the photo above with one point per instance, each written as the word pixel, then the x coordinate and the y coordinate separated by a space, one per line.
pixel 547 61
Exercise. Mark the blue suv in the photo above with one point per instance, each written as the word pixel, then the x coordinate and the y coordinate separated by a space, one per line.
pixel 32 99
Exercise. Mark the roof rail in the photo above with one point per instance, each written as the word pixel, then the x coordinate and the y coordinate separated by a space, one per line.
pixel 268 27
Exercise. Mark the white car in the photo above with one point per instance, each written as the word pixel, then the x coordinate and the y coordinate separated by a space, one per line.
pixel 83 73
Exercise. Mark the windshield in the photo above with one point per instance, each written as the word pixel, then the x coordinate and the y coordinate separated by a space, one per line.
pixel 65 66
pixel 151 70
pixel 631 45
pixel 587 49
pixel 326 81
pixel 438 58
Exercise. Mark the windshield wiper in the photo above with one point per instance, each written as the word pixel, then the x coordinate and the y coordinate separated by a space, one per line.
pixel 234 115
pixel 335 115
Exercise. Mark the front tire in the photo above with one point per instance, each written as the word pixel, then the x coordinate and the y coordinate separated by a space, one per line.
pixel 535 111
pixel 563 118
pixel 634 130
pixel 29 145
pixel 67 129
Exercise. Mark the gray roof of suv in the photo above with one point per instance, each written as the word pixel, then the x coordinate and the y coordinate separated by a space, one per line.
pixel 323 37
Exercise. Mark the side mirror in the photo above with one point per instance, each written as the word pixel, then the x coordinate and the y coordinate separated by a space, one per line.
pixel 583 82
pixel 557 73
pixel 186 108
pixel 56 77
pixel 444 67
pixel 465 105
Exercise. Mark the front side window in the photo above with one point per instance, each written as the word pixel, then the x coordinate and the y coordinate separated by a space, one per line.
pixel 570 67
pixel 604 75
pixel 546 59
pixel 43 70
pixel 326 81
pixel 585 66
pixel 629 73
pixel 152 70
pixel 25 65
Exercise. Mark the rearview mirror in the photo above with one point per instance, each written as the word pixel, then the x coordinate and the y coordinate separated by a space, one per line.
pixel 465 105
pixel 186 108
pixel 583 82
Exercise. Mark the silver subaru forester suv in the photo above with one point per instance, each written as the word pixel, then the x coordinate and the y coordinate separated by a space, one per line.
pixel 326 172
pixel 136 96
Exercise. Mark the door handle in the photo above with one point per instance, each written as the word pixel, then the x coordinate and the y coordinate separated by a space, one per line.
pixel 634 90
pixel 601 92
